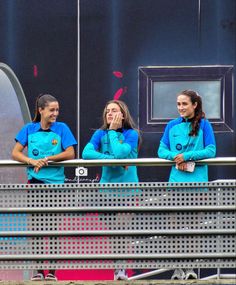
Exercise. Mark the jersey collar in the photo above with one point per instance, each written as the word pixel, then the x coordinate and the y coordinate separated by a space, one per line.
pixel 38 126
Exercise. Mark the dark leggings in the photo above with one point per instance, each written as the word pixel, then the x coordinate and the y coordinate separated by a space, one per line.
pixel 51 271
pixel 36 181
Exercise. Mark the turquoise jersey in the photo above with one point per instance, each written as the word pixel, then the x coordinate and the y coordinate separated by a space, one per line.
pixel 110 144
pixel 41 144
pixel 176 140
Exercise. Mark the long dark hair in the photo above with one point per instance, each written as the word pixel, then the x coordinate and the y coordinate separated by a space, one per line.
pixel 41 102
pixel 198 112
pixel 128 122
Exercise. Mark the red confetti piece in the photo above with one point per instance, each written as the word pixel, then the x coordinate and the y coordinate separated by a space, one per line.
pixel 118 74
pixel 35 71
pixel 118 93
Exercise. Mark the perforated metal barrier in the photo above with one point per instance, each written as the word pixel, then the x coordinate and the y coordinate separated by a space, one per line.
pixel 144 225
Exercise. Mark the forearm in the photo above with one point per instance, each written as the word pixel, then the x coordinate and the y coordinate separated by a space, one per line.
pixel 120 150
pixel 69 153
pixel 20 156
pixel 208 152
pixel 90 153
pixel 165 153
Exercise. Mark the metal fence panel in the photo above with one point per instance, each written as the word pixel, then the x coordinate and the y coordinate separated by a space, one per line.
pixel 143 225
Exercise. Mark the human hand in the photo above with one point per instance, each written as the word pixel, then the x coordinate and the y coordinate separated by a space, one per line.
pixel 116 121
pixel 38 163
pixel 179 158
pixel 181 166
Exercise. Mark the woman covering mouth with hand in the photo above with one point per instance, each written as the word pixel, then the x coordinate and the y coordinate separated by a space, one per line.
pixel 117 138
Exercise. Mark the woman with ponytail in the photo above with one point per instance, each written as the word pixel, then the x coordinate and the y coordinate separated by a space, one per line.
pixel 46 140
pixel 185 140
pixel 188 138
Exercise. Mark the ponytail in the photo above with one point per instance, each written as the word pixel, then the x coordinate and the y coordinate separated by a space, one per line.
pixel 198 113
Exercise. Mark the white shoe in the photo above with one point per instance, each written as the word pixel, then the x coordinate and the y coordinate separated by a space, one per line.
pixel 190 274
pixel 51 277
pixel 120 274
pixel 37 277
pixel 178 274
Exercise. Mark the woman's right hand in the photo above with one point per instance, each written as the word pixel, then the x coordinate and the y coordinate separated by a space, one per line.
pixel 116 122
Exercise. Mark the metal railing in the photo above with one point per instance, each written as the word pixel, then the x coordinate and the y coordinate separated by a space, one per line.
pixel 116 162
pixel 129 225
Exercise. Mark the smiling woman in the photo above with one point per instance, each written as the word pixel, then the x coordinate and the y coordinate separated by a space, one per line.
pixel 47 110
pixel 185 107
pixel 46 140
pixel 186 139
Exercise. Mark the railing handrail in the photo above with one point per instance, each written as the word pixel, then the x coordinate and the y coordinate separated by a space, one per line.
pixel 112 162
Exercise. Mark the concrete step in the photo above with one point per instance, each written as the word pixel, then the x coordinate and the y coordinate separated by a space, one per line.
pixel 136 282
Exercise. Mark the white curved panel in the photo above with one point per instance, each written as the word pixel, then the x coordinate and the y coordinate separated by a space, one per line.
pixel 14 114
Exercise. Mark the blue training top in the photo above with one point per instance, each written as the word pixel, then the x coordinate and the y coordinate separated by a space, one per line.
pixel 176 140
pixel 110 144
pixel 46 143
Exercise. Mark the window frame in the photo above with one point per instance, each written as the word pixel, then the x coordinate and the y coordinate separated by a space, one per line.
pixel 148 75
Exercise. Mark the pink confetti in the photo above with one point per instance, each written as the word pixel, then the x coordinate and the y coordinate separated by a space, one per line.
pixel 118 74
pixel 35 70
pixel 118 93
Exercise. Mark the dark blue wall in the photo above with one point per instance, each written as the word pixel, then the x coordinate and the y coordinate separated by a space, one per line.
pixel 123 35
pixel 42 35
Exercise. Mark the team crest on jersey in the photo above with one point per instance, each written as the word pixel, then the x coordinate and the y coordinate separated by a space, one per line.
pixel 54 142
pixel 178 146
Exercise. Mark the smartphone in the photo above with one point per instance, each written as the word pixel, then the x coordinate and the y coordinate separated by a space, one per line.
pixel 190 166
